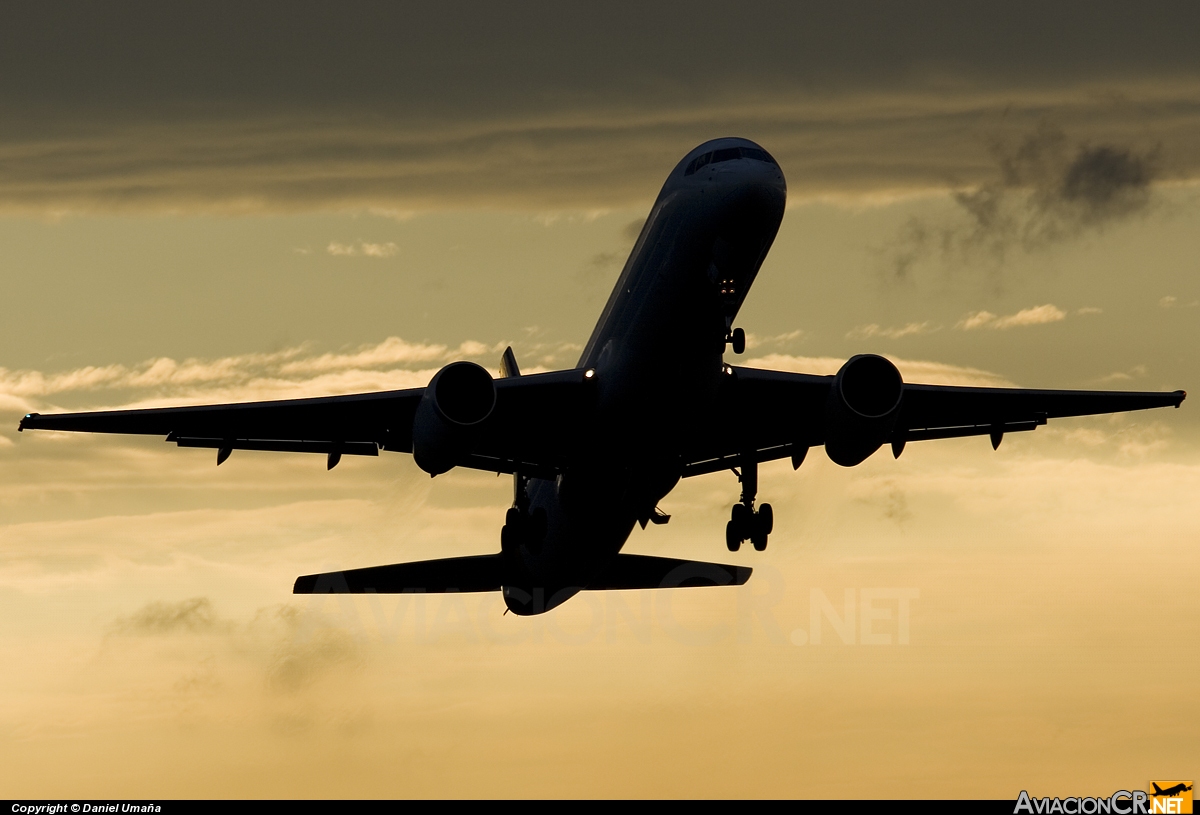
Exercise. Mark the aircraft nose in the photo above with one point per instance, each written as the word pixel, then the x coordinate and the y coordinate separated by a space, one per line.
pixel 747 176
pixel 756 189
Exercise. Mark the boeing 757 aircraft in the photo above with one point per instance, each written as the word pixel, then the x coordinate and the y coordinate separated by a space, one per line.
pixel 592 450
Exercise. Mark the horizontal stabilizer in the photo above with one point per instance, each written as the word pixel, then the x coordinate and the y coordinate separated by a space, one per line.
pixel 646 572
pixel 474 573
pixel 486 573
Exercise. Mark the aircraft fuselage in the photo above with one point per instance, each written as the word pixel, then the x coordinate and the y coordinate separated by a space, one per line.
pixel 657 355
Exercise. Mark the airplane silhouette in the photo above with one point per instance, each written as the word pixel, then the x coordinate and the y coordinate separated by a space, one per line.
pixel 592 450
pixel 1169 792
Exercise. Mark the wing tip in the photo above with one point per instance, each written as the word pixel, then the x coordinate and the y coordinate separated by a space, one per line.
pixel 27 421
pixel 305 584
pixel 1179 395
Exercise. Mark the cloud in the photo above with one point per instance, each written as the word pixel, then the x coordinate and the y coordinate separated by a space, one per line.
pixel 1170 301
pixel 597 268
pixel 392 351
pixel 297 662
pixel 1045 189
pixel 291 373
pixel 1136 372
pixel 408 109
pixel 923 371
pixel 293 647
pixel 364 249
pixel 778 340
pixel 193 616
pixel 873 330
pixel 1035 315
pixel 606 155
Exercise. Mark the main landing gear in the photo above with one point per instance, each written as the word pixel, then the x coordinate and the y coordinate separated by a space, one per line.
pixel 522 526
pixel 746 523
pixel 527 528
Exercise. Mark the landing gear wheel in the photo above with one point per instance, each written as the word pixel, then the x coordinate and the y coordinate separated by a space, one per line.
pixel 759 538
pixel 733 537
pixel 767 518
pixel 738 340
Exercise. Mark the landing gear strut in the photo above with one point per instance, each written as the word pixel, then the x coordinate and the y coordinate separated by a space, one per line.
pixel 744 521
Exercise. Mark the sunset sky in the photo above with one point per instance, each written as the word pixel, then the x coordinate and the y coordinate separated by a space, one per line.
pixel 226 201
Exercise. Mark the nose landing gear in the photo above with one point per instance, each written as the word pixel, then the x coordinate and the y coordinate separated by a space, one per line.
pixel 737 339
pixel 746 523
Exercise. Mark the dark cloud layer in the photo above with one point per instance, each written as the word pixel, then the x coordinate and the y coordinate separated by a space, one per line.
pixel 431 57
pixel 280 105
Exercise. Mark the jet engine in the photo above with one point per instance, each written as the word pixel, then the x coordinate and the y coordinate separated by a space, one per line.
pixel 862 408
pixel 457 400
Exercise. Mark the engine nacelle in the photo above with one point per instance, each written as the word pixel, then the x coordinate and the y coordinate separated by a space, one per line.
pixel 457 400
pixel 863 405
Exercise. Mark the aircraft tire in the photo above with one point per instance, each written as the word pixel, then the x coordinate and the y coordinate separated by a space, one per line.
pixel 759 539
pixel 738 341
pixel 766 517
pixel 733 538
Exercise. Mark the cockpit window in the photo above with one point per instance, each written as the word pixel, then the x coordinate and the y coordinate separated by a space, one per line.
pixel 728 154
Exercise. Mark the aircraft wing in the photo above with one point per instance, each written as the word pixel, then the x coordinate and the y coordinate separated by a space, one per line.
pixel 776 414
pixel 528 426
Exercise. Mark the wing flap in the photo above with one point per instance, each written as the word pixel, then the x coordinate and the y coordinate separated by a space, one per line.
pixel 343 448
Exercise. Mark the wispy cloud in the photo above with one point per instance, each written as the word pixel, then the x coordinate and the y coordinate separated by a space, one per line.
pixel 892 333
pixel 1171 301
pixel 913 370
pixel 1047 189
pixel 362 249
pixel 392 351
pixel 1035 315
pixel 192 616
pixel 777 341
pixel 1136 372
pixel 293 647
pixel 290 373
